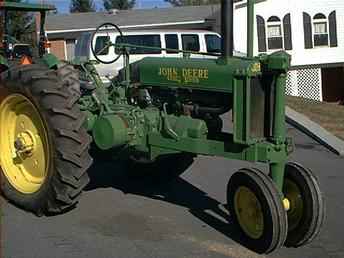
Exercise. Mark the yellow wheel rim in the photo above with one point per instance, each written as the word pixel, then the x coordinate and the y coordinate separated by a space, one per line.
pixel 24 144
pixel 293 194
pixel 249 212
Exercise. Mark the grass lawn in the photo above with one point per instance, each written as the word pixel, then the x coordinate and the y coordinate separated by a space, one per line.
pixel 329 116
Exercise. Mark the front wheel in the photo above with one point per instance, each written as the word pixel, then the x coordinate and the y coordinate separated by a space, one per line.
pixel 307 210
pixel 256 208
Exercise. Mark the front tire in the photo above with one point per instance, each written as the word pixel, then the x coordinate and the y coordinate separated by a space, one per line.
pixel 256 208
pixel 47 132
pixel 307 210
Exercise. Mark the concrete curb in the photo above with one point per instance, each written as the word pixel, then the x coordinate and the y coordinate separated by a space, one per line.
pixel 315 131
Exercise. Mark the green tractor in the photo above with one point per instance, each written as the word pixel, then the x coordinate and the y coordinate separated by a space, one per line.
pixel 159 113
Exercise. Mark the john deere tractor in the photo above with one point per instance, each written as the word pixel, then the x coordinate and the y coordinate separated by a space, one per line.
pixel 158 113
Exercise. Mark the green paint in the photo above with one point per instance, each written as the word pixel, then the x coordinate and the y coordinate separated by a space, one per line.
pixel 26 7
pixel 205 74
pixel 110 131
pixel 50 60
pixel 3 61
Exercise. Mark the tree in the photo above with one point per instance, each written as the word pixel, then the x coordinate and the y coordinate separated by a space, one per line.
pixel 192 2
pixel 82 6
pixel 119 4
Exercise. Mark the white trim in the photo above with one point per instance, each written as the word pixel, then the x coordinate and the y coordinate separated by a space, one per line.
pixel 130 26
pixel 65 49
pixel 321 97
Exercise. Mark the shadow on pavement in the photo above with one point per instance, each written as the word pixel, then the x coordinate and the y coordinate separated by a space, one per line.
pixel 115 174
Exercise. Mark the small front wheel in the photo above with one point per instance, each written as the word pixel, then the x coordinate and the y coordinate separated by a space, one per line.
pixel 306 211
pixel 256 208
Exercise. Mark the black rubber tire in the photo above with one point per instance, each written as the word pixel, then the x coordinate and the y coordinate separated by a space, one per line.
pixel 314 207
pixel 56 101
pixel 69 76
pixel 163 169
pixel 275 218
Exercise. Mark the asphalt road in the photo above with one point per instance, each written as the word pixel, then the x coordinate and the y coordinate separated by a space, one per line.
pixel 119 216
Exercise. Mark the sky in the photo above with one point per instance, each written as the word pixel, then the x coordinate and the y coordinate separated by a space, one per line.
pixel 63 5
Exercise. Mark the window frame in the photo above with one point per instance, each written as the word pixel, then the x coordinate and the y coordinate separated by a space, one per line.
pixel 270 24
pixel 327 33
pixel 82 45
pixel 178 43
pixel 95 46
pixel 142 35
pixel 198 41
pixel 206 42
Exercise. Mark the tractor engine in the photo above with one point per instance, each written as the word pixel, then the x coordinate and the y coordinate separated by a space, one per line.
pixel 187 101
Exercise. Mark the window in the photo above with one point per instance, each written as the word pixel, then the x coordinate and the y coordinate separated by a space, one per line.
pixel 191 43
pixel 172 43
pixel 100 48
pixel 320 30
pixel 275 38
pixel 82 45
pixel 70 46
pixel 141 40
pixel 213 43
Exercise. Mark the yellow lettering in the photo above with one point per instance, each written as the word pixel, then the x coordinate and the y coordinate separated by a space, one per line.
pixel 206 74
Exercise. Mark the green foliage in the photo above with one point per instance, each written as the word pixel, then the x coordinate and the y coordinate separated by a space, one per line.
pixel 192 2
pixel 82 6
pixel 119 4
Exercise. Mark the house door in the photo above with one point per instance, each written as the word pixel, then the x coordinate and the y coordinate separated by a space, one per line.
pixel 333 84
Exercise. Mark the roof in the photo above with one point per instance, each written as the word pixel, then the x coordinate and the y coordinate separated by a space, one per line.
pixel 25 7
pixel 157 31
pixel 131 18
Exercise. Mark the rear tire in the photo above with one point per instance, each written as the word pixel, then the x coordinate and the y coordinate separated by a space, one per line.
pixel 54 95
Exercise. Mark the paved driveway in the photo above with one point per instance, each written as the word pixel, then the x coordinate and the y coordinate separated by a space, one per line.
pixel 122 217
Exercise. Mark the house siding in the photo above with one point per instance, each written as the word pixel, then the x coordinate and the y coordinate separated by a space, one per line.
pixel 305 82
pixel 301 56
pixel 58 49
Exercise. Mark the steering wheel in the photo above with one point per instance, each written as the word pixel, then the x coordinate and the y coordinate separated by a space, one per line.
pixel 108 43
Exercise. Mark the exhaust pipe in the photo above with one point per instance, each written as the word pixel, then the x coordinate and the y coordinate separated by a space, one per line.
pixel 227 32
pixel 227 27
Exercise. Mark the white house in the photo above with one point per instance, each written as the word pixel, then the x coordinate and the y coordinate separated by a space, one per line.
pixel 312 32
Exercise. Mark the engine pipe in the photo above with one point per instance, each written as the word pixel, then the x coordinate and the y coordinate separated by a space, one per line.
pixel 227 14
pixel 250 24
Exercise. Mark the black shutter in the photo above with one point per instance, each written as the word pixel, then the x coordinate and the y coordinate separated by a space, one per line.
pixel 333 29
pixel 261 34
pixel 307 27
pixel 288 44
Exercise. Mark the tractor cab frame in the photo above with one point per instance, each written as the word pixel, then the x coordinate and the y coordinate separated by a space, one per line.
pixel 10 47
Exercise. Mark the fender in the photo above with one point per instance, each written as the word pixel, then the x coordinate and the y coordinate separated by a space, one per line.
pixel 50 60
pixel 3 61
